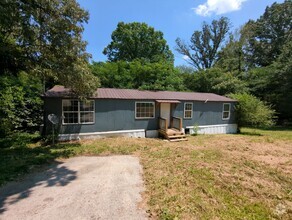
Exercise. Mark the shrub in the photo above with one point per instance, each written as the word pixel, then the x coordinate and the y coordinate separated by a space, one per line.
pixel 252 112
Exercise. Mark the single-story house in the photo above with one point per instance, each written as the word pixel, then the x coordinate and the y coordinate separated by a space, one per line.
pixel 138 113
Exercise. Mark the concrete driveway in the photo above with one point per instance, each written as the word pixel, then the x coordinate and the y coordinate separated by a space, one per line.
pixel 78 188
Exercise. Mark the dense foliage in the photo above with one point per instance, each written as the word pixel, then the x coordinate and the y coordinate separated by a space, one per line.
pixel 44 38
pixel 255 59
pixel 40 42
pixel 252 112
pixel 136 40
pixel 267 35
pixel 20 103
pixel 138 74
pixel 213 80
pixel 138 58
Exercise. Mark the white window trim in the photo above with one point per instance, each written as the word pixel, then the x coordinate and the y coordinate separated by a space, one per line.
pixel 144 117
pixel 78 112
pixel 188 110
pixel 229 112
pixel 93 112
pixel 63 117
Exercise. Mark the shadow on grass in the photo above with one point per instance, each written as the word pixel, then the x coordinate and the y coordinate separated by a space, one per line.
pixel 279 132
pixel 18 140
pixel 21 154
pixel 278 128
pixel 250 133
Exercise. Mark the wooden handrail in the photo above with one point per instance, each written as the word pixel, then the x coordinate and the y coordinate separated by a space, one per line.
pixel 176 122
pixel 163 123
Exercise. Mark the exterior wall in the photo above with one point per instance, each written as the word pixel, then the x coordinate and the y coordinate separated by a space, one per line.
pixel 209 113
pixel 119 115
pixel 110 115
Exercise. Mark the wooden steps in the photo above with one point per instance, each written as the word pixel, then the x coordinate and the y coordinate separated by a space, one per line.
pixel 173 134
pixel 177 140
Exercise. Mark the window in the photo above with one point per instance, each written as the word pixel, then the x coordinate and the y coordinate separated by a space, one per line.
pixel 86 112
pixel 188 111
pixel 144 110
pixel 78 112
pixel 70 111
pixel 226 111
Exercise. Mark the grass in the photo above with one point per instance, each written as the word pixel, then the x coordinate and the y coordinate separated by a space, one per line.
pixel 279 133
pixel 23 153
pixel 245 176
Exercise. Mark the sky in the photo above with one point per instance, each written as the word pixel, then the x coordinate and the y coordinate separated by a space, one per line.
pixel 175 18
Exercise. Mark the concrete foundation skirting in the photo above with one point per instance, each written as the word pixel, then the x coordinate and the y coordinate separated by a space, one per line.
pixel 215 129
pixel 151 133
pixel 126 133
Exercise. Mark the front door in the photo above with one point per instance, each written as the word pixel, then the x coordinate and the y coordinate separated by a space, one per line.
pixel 165 111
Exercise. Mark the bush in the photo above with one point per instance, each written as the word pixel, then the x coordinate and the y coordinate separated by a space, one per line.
pixel 252 112
pixel 20 103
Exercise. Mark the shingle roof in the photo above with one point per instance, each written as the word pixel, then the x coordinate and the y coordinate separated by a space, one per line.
pixel 111 93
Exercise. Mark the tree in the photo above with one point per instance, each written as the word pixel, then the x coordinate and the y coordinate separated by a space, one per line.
pixel 44 38
pixel 184 69
pixel 136 40
pixel 20 103
pixel 267 48
pixel 231 56
pixel 228 83
pixel 280 83
pixel 138 74
pixel 113 74
pixel 202 52
pixel 214 80
pixel 266 36
pixel 252 112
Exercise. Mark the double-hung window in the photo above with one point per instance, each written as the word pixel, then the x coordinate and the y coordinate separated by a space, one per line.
pixel 226 111
pixel 86 112
pixel 144 110
pixel 188 111
pixel 78 112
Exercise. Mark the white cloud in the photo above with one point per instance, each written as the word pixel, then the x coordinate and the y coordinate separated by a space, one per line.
pixel 218 7
pixel 185 57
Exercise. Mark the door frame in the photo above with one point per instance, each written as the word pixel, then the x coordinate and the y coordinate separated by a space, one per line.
pixel 167 110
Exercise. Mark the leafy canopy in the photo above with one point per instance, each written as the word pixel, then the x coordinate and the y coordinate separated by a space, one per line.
pixel 267 35
pixel 203 49
pixel 231 57
pixel 138 74
pixel 136 40
pixel 44 39
pixel 214 80
pixel 280 83
pixel 260 55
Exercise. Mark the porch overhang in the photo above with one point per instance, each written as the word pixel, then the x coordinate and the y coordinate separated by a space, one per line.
pixel 167 101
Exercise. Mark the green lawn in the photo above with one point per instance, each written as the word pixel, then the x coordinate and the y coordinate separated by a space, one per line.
pixel 244 176
pixel 278 133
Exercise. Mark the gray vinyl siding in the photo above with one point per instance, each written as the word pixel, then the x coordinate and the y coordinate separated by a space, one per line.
pixel 209 113
pixel 117 114
pixel 114 115
pixel 110 115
